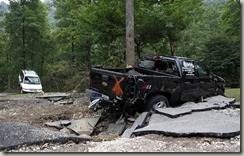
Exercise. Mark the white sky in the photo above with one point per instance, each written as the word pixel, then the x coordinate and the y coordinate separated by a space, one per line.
pixel 6 1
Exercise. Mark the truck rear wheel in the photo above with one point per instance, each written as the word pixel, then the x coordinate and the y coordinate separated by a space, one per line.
pixel 157 101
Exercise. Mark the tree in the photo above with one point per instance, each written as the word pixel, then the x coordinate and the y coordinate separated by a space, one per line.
pixel 130 47
pixel 159 23
pixel 27 29
pixel 215 39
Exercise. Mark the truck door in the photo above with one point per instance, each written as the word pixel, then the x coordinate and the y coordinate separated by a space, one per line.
pixel 206 84
pixel 190 87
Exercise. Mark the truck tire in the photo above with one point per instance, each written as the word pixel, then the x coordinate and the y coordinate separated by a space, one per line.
pixel 157 101
pixel 220 92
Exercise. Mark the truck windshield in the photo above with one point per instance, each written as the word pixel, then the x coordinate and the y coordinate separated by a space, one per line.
pixel 31 80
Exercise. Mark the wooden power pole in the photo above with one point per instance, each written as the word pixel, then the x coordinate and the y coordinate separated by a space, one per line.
pixel 130 45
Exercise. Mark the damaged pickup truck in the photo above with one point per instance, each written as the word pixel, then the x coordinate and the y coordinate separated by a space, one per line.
pixel 157 82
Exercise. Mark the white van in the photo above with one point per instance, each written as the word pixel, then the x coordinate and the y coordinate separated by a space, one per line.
pixel 29 82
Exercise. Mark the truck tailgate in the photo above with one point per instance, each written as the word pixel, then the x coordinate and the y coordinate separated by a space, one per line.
pixel 108 82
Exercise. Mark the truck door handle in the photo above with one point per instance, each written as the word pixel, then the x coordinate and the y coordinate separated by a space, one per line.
pixel 105 77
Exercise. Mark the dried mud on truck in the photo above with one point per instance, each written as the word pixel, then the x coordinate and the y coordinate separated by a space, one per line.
pixel 156 82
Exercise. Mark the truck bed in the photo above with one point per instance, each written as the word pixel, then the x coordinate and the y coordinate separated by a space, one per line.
pixel 117 82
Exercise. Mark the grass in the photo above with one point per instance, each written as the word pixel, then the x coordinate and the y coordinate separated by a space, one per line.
pixel 2 108
pixel 233 93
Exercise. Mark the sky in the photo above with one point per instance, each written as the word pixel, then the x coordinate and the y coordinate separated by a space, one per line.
pixel 6 1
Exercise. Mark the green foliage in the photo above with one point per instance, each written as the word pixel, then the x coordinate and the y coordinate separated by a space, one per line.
pixel 27 32
pixel 64 76
pixel 224 59
pixel 92 32
pixel 216 40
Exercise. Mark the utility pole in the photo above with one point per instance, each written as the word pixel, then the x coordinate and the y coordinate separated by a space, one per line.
pixel 130 45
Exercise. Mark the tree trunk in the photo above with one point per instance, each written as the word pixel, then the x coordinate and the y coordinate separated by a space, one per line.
pixel 9 72
pixel 88 55
pixel 130 48
pixel 23 44
pixel 138 47
pixel 171 43
pixel 72 49
pixel 23 37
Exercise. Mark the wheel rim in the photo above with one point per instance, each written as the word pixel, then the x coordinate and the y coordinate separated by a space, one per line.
pixel 160 104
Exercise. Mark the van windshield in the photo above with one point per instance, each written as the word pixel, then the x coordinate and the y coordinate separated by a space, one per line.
pixel 32 80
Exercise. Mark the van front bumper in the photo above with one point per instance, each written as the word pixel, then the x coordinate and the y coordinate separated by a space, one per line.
pixel 32 90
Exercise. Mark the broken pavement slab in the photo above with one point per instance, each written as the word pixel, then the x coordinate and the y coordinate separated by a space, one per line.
pixel 140 120
pixel 83 126
pixel 188 108
pixel 54 97
pixel 58 124
pixel 16 134
pixel 66 102
pixel 220 99
pixel 116 129
pixel 235 105
pixel 174 112
pixel 207 123
pixel 204 106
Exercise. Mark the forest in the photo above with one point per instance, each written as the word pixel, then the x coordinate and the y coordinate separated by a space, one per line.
pixel 62 39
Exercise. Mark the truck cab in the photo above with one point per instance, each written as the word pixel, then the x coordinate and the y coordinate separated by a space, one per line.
pixel 29 82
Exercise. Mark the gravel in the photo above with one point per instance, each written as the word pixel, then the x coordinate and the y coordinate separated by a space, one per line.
pixel 147 143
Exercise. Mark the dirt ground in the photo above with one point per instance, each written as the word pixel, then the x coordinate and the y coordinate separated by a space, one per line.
pixel 26 108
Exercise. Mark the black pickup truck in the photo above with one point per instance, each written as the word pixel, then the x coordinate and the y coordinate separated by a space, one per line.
pixel 156 82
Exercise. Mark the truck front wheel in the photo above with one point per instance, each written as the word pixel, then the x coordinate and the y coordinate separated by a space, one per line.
pixel 157 101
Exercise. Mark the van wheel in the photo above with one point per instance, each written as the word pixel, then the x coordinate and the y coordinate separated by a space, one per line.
pixel 157 101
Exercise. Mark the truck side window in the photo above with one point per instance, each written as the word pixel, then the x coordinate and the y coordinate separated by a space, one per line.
pixel 188 68
pixel 161 66
pixel 201 70
pixel 166 66
pixel 172 69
